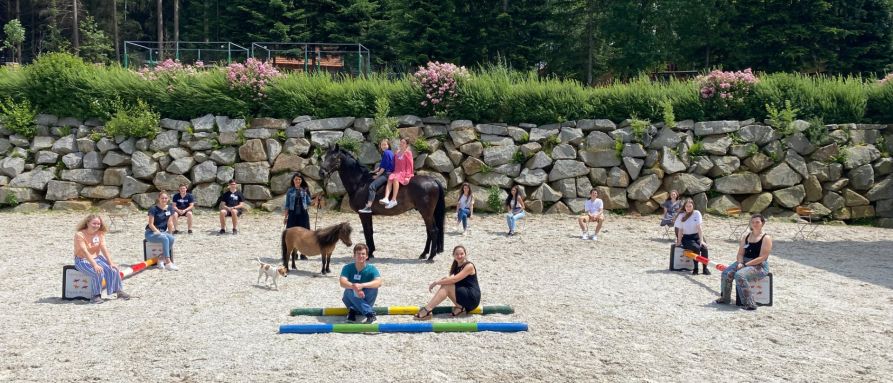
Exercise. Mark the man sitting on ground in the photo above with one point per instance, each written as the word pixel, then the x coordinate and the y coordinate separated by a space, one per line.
pixel 184 202
pixel 360 281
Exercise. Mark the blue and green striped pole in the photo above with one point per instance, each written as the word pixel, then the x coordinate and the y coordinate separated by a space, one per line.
pixel 348 328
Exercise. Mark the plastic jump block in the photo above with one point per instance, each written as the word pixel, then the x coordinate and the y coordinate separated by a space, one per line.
pixel 351 328
pixel 400 310
pixel 700 259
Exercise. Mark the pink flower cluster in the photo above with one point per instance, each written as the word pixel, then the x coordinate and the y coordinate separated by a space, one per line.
pixel 171 68
pixel 439 83
pixel 727 85
pixel 251 77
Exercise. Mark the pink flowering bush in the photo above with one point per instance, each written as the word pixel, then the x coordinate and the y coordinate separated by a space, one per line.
pixel 728 86
pixel 438 81
pixel 251 78
pixel 170 68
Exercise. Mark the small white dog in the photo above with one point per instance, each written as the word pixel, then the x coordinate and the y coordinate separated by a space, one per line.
pixel 271 272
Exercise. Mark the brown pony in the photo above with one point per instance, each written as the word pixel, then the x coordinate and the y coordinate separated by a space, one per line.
pixel 310 242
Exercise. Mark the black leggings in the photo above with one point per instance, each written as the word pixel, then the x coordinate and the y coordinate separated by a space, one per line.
pixel 693 242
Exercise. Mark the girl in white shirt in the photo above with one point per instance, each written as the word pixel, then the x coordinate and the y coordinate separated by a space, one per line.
pixel 465 206
pixel 690 236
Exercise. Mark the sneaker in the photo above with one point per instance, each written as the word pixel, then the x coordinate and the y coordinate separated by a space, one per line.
pixel 584 236
pixel 96 300
pixel 383 201
pixel 391 204
pixel 123 295
pixel 351 316
pixel 371 318
pixel 595 237
pixel 365 210
pixel 172 267
pixel 176 232
pixel 464 232
pixel 190 231
pixel 159 265
pixel 750 308
pixel 222 231
pixel 235 231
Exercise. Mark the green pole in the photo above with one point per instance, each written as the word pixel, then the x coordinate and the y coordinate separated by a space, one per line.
pixel 177 50
pixel 229 53
pixel 305 58
pixel 126 63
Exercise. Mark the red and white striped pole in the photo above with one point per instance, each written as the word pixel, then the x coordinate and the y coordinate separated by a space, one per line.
pixel 135 268
pixel 697 258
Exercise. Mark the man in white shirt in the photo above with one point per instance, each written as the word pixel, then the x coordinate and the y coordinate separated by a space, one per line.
pixel 594 212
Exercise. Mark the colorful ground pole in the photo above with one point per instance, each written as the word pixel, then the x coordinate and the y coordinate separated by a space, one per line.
pixel 348 328
pixel 399 310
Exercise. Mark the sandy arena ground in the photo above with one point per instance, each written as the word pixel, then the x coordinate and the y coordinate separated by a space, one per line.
pixel 598 311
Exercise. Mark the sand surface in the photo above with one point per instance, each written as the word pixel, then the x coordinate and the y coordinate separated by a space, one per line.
pixel 598 311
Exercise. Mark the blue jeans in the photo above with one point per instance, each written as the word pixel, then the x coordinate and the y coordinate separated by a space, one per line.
pixel 463 217
pixel 166 239
pixel 511 219
pixel 360 305
pixel 743 279
pixel 375 184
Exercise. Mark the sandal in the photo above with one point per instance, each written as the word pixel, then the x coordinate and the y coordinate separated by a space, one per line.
pixel 419 316
pixel 455 313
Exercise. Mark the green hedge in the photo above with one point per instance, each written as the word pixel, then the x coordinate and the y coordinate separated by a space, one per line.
pixel 64 85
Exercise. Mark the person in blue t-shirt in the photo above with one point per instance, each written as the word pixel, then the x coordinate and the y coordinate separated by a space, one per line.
pixel 233 204
pixel 160 216
pixel 381 174
pixel 184 202
pixel 360 281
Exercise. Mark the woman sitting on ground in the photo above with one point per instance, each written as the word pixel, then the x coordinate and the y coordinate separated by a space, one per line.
pixel 751 264
pixel 515 205
pixel 92 257
pixel 160 216
pixel 461 287
pixel 690 235
pixel 465 206
pixel 404 169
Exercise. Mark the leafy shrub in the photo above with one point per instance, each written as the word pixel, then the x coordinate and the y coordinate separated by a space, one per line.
pixel 697 149
pixel 639 128
pixel 18 117
pixel 486 169
pixel 817 132
pixel 439 82
pixel 783 119
pixel 519 157
pixel 525 138
pixel 421 146
pixel 56 84
pixel 842 156
pixel 11 200
pixel 493 200
pixel 669 116
pixel 350 144
pixel 137 121
pixel 752 149
pixel 383 126
pixel 618 147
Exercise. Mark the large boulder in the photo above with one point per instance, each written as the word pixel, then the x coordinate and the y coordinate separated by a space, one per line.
pixel 757 162
pixel 273 148
pixel 617 177
pixel 687 184
pixel 780 176
pixel 511 169
pixel 643 188
pixel 472 166
pixel 39 143
pixel 498 155
pixel 881 190
pixel 724 165
pixel 257 192
pixel 666 138
pixel 204 172
pixel 800 144
pixel 860 155
pixel 253 172
pixel 797 163
pixel 564 152
pixel 143 166
pixel 21 194
pixel 62 190
pixel 182 165
pixel 12 166
pixel 439 161
pixel 131 186
pixel 272 123
pixel 100 192
pixel 204 123
pixel 72 205
pixel 114 176
pixel 287 162
pixel 600 125
pixel 206 194
pixel 540 134
pixel 568 135
pixel 65 145
pixel 566 169
pixel 559 208
pixel 299 146
pixel 545 193
pixel 169 181
pixel 862 177
pixel 670 162
pixel 93 160
pixel 491 179
pixel 633 166
pixel 165 140
pixel 789 197
pixel 813 189
pixel 721 204
pixel 599 158
pixel 717 145
pixel 178 125
pixel 224 156
pixel 739 183
pixel 634 150
pixel 567 187
pixel 826 153
pixel 463 135
pixel 252 151
pixel 325 138
pixel 613 198
pixel 599 140
pixel 715 127
pixel 491 129
pixel 756 203
pixel 852 198
pixel 83 176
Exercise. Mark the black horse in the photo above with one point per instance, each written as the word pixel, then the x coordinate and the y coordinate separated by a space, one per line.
pixel 423 193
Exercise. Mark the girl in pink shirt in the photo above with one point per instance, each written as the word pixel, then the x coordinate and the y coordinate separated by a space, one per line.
pixel 404 169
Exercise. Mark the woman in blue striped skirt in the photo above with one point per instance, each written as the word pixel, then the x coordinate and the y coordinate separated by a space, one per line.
pixel 92 257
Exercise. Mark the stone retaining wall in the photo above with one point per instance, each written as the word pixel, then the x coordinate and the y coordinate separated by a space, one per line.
pixel 746 164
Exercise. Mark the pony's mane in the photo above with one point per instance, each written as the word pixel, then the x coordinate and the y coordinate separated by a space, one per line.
pixel 330 235
pixel 356 166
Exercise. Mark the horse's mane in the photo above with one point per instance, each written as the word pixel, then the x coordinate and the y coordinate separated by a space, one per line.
pixel 330 235
pixel 356 166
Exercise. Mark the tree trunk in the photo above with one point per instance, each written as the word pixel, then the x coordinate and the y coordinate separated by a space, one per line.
pixel 159 14
pixel 75 35
pixel 177 20
pixel 115 30
pixel 589 42
pixel 205 28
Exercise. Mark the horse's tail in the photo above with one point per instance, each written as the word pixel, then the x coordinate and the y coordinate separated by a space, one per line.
pixel 284 248
pixel 439 215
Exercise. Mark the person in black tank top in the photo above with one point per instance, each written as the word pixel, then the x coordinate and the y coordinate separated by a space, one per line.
pixel 750 266
pixel 461 287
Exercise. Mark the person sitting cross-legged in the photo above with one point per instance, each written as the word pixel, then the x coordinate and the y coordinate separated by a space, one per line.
pixel 361 282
